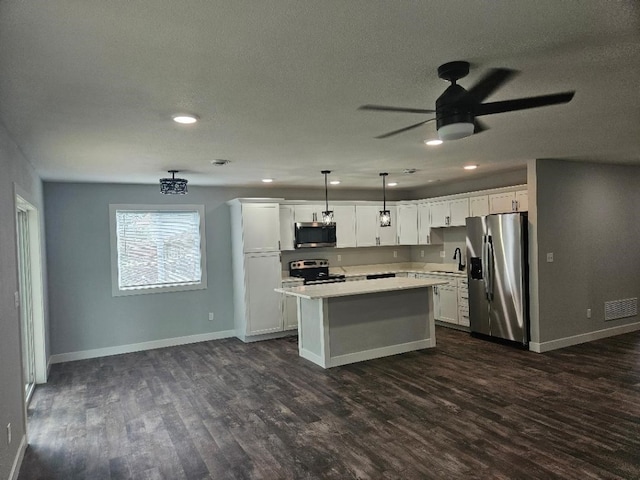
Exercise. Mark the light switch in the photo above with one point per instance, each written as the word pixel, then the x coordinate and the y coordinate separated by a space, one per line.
pixel 550 257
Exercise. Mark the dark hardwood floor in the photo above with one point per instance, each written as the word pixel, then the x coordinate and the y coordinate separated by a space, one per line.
pixel 228 410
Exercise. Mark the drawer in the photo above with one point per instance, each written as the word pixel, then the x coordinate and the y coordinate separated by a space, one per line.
pixel 463 296
pixel 292 283
pixel 463 315
pixel 463 283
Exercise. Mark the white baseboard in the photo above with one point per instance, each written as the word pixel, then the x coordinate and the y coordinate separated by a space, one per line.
pixel 138 347
pixel 17 462
pixel 582 338
pixel 380 352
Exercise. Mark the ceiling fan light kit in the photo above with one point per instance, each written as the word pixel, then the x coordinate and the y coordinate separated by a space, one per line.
pixel 457 108
pixel 173 185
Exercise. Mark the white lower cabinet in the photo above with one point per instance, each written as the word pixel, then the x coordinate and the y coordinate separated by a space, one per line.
pixel 263 313
pixel 448 303
pixel 290 306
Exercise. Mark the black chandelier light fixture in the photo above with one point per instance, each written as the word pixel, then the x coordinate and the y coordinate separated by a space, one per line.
pixel 385 215
pixel 173 185
pixel 327 215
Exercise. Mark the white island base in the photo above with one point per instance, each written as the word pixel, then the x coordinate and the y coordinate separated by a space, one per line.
pixel 355 321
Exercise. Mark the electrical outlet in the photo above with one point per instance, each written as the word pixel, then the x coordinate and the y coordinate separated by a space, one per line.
pixel 422 253
pixel 550 257
pixel 395 254
pixel 339 257
pixel 588 313
pixel 443 253
pixel 211 316
pixel 16 297
pixel 9 433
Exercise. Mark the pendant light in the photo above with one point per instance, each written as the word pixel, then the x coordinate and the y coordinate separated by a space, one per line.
pixel 385 215
pixel 327 215
pixel 173 185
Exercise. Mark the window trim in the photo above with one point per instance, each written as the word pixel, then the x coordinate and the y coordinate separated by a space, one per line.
pixel 115 288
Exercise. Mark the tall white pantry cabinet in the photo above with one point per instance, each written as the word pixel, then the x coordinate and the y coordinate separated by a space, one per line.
pixel 255 245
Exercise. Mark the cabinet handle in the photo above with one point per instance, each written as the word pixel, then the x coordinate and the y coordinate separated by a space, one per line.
pixel 517 206
pixel 398 239
pixel 428 238
pixel 279 245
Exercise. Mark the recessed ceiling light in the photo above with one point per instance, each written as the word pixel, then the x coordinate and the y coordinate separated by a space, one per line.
pixel 267 180
pixel 409 171
pixel 335 182
pixel 470 167
pixel 185 118
pixel 433 143
pixel 392 184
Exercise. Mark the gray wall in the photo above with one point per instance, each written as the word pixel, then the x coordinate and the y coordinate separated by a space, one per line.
pixel 15 169
pixel 85 316
pixel 588 216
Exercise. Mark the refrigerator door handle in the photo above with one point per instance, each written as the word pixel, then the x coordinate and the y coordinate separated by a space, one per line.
pixel 490 268
pixel 483 262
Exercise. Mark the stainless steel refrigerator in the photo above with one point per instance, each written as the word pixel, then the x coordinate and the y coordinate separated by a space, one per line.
pixel 497 256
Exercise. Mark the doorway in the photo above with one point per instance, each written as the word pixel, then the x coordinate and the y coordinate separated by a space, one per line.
pixel 31 301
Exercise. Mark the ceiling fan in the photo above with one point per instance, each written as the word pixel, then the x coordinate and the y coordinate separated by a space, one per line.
pixel 457 108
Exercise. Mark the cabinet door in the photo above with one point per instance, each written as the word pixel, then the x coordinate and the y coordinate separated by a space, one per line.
pixel 261 227
pixel 479 206
pixel 262 275
pixel 407 224
pixel 424 223
pixel 289 312
pixel 440 214
pixel 448 304
pixel 286 227
pixel 459 211
pixel 366 225
pixel 345 218
pixel 387 235
pixel 308 212
pixel 502 202
pixel 522 201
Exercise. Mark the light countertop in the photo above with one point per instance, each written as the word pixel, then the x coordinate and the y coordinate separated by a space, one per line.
pixel 344 289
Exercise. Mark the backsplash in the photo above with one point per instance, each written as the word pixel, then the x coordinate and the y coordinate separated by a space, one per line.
pixel 454 237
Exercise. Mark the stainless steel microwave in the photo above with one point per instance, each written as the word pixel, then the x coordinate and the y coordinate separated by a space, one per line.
pixel 314 234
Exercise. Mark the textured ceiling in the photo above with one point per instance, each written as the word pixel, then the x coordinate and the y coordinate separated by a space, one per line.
pixel 87 88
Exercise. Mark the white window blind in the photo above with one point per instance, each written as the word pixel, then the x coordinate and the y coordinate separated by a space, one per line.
pixel 158 249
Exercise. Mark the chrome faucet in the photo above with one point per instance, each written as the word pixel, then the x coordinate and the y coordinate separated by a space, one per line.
pixel 457 252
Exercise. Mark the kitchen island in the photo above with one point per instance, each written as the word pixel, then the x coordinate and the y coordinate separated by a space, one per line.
pixel 341 323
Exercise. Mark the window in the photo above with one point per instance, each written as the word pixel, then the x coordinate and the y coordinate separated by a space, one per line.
pixel 157 248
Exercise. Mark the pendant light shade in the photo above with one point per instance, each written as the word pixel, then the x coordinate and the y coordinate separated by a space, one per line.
pixel 173 185
pixel 385 215
pixel 327 215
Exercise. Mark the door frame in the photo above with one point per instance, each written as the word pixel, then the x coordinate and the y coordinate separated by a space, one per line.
pixel 24 202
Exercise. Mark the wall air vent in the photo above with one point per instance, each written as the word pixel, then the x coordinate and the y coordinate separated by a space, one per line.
pixel 616 309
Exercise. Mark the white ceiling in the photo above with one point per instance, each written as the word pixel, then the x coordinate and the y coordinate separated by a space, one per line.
pixel 87 88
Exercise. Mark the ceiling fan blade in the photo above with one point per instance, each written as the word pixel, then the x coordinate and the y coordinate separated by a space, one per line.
pixel 479 126
pixel 523 103
pixel 410 127
pixel 488 84
pixel 384 108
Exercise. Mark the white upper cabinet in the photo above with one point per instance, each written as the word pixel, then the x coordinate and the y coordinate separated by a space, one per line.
pixel 287 233
pixel 522 200
pixel 509 202
pixel 407 224
pixel 259 226
pixel 367 222
pixel 479 206
pixel 308 212
pixel 345 218
pixel 449 213
pixel 369 233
